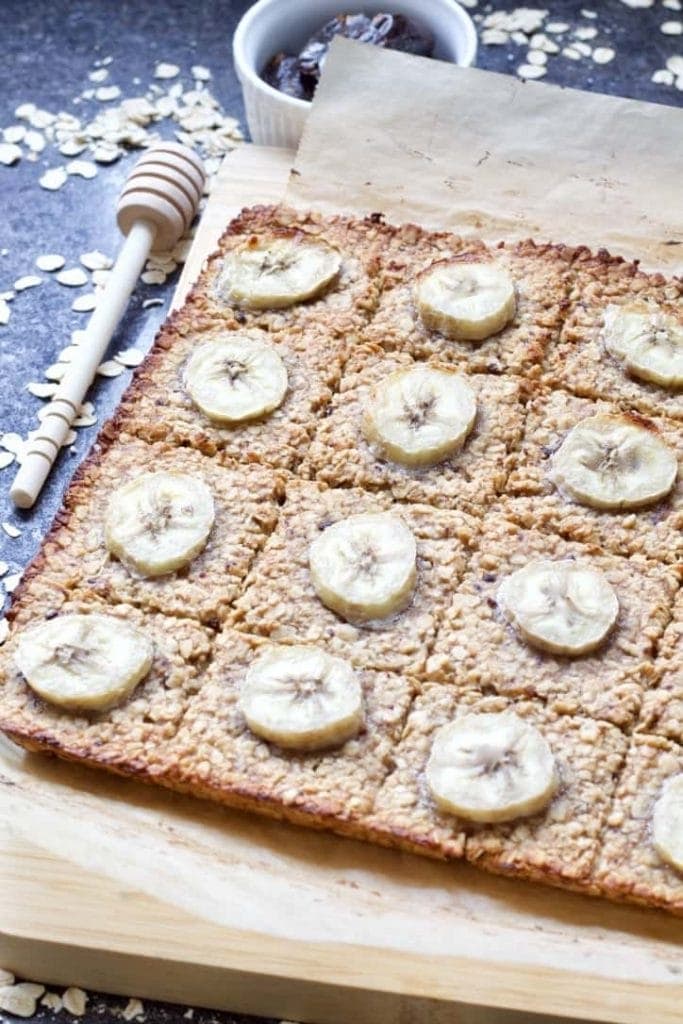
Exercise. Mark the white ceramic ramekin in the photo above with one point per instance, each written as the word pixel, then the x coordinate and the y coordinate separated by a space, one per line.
pixel 270 26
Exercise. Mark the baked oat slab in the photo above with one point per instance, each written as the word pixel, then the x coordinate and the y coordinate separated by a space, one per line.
pixel 537 274
pixel 343 453
pixel 645 453
pixel 216 755
pixel 608 347
pixel 557 844
pixel 181 379
pixel 278 269
pixel 131 738
pixel 134 510
pixel 662 711
pixel 630 867
pixel 281 602
pixel 542 641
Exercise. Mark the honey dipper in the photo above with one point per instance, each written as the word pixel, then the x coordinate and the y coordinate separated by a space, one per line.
pixel 157 205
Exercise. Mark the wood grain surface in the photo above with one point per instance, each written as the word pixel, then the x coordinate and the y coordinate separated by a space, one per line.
pixel 114 886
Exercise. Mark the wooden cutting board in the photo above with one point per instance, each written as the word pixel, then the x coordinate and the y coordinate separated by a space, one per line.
pixel 111 885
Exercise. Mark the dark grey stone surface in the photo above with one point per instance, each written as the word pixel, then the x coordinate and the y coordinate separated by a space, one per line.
pixel 48 48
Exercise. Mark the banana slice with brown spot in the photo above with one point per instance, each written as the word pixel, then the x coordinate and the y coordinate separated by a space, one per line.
pixel 420 415
pixel 560 607
pixel 491 767
pixel 302 698
pixel 613 463
pixel 647 342
pixel 158 522
pixel 236 378
pixel 278 270
pixel 364 567
pixel 84 662
pixel 465 301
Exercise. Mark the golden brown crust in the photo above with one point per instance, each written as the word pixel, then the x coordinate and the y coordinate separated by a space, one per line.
pixel 340 456
pixel 182 728
pixel 477 647
pixel 629 868
pixel 534 500
pixel 578 360
pixel 246 510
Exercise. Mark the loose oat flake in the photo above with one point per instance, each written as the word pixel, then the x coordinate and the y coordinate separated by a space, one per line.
pixel 531 71
pixel 11 530
pixel 84 303
pixel 41 390
pixel 53 179
pixel 603 54
pixel 74 277
pixel 4 633
pixel 6 459
pixel 15 133
pixel 107 93
pixel 12 442
pixel 163 70
pixel 29 281
pixel 5 313
pixel 96 260
pixel 132 1010
pixel 153 277
pixel 9 153
pixel 110 368
pixel 49 262
pixel 75 1001
pixel 130 357
pixel 672 28
pixel 83 168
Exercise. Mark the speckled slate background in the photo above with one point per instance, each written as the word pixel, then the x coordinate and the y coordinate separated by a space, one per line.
pixel 48 49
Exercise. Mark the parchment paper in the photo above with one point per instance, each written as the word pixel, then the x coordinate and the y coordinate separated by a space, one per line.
pixel 490 155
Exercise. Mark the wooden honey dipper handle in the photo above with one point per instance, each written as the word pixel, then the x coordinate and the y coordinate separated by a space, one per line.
pixel 157 206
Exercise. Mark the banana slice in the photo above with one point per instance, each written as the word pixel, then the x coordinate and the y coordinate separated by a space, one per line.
pixel 363 567
pixel 278 271
pixel 420 416
pixel 302 697
pixel 491 767
pixel 610 462
pixel 648 343
pixel 560 607
pixel 236 378
pixel 667 823
pixel 465 301
pixel 84 662
pixel 159 522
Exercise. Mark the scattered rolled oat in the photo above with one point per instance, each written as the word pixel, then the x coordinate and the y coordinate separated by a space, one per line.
pixel 110 368
pixel 34 141
pixel 96 260
pixel 9 153
pixel 672 5
pixel 531 71
pixel 571 52
pixel 603 54
pixel 49 262
pixel 52 1001
pixel 163 70
pixel 583 48
pixel 74 277
pixel 12 582
pixel 53 179
pixel 28 281
pixel 130 356
pixel 585 32
pixel 148 303
pixel 663 77
pixel 5 313
pixel 537 57
pixel 6 459
pixel 638 3
pixel 132 1010
pixel 672 28
pixel 11 530
pixel 41 390
pixel 15 133
pixel 494 37
pixel 18 999
pixel 675 64
pixel 83 168
pixel 107 93
pixel 106 153
pixel 557 27
pixel 153 277
pixel 539 41
pixel 84 303
pixel 99 75
pixel 75 1001
pixel 12 443
pixel 200 73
